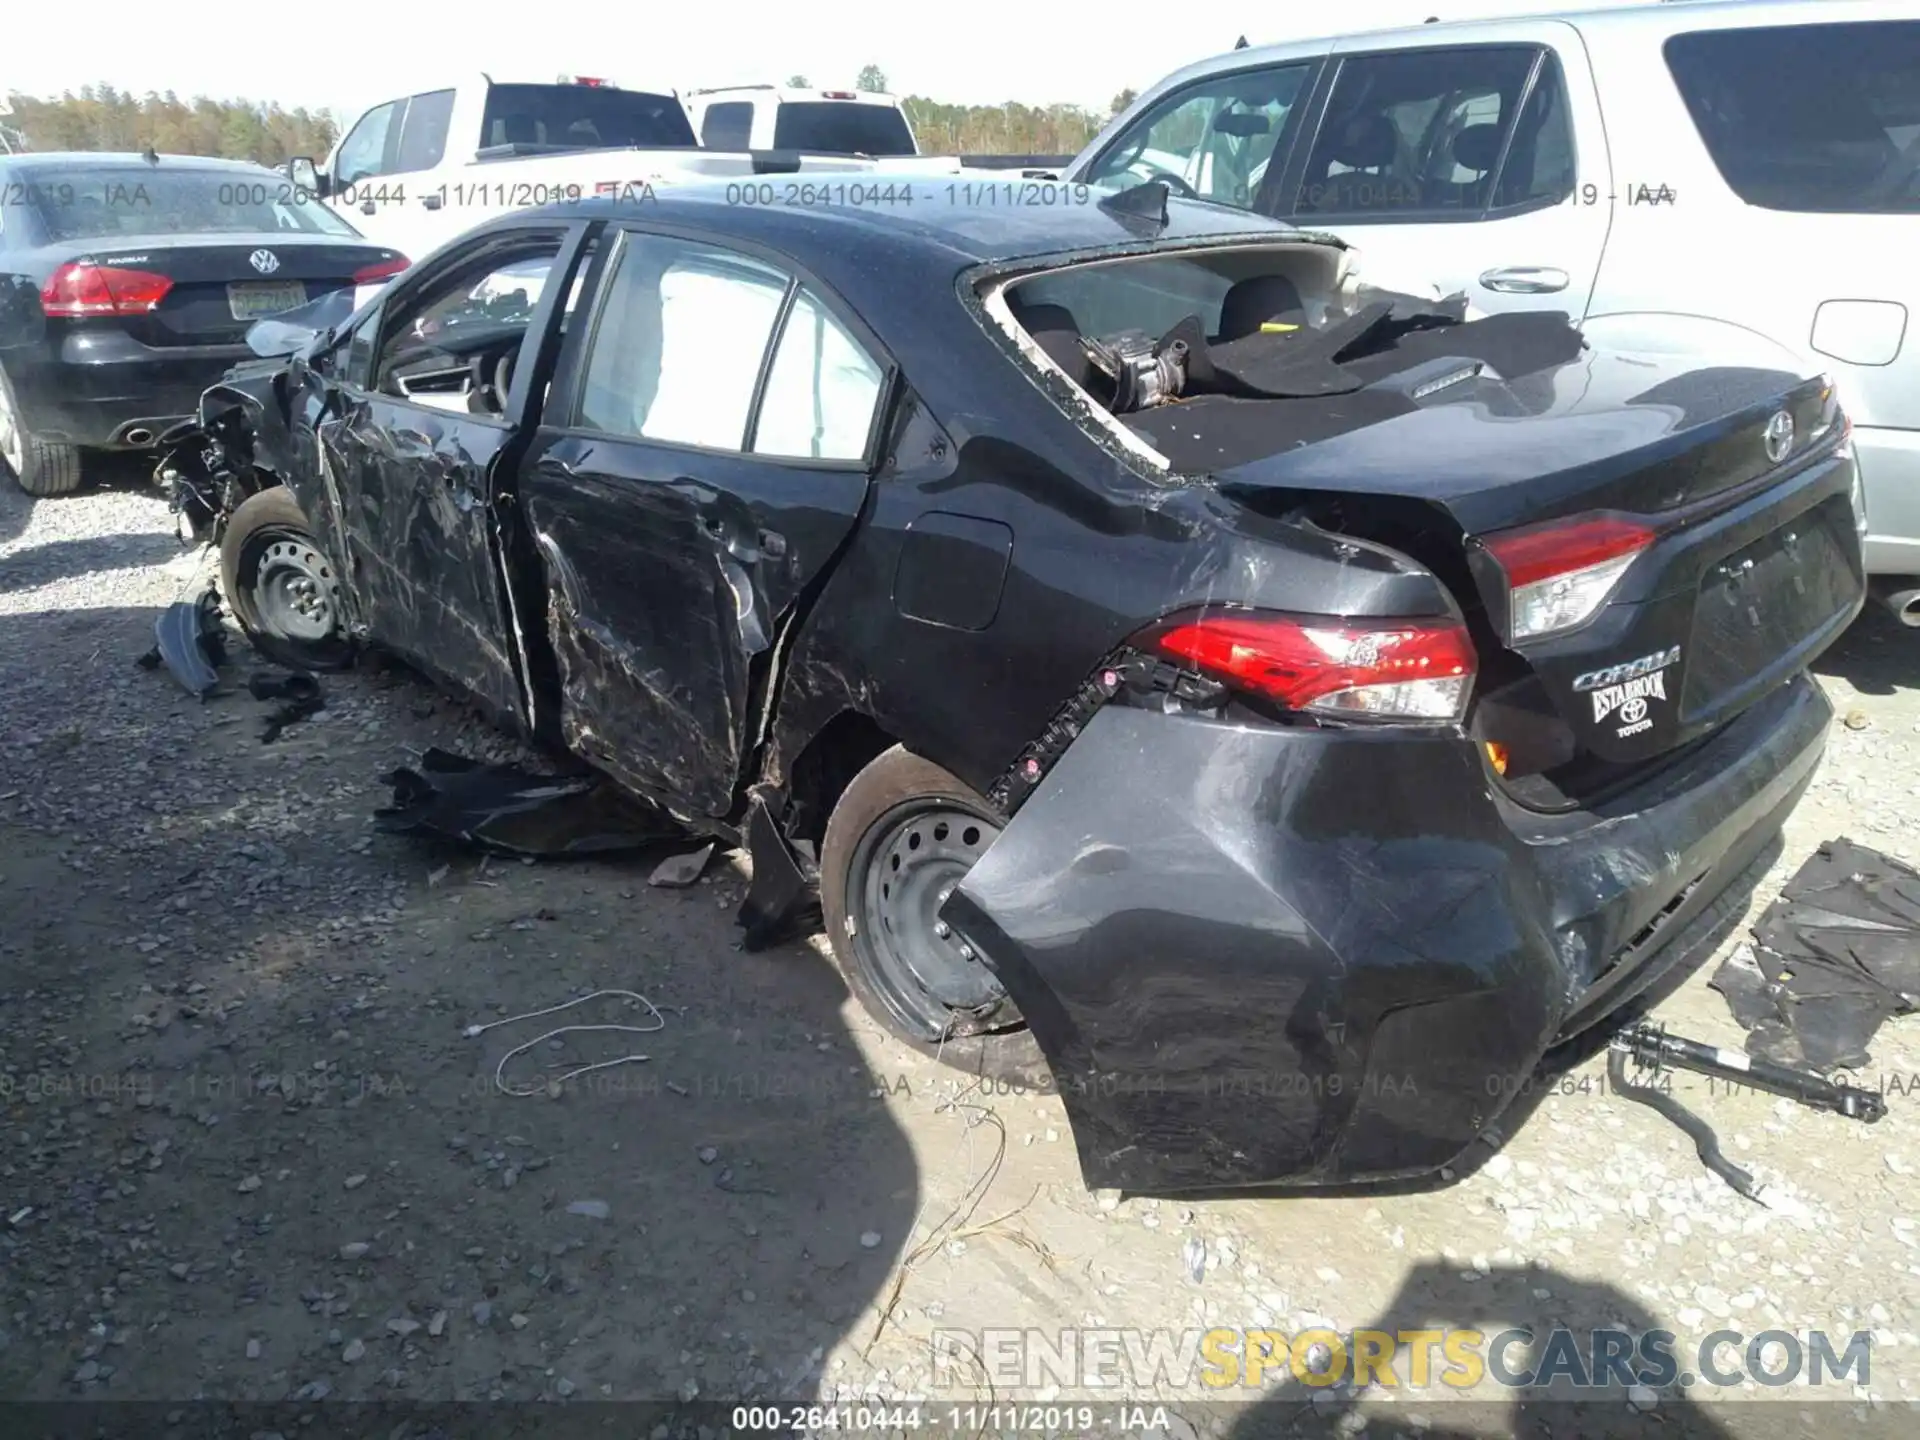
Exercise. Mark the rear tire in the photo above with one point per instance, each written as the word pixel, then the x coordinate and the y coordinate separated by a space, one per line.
pixel 42 468
pixel 902 835
pixel 281 586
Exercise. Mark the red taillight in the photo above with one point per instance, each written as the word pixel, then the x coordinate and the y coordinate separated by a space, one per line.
pixel 380 270
pixel 1544 551
pixel 1560 573
pixel 78 289
pixel 1381 669
pixel 839 95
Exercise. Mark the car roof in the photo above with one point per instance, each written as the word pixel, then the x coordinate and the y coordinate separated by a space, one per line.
pixel 835 216
pixel 1655 21
pixel 71 160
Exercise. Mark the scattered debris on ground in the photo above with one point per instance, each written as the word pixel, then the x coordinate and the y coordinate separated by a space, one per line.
pixel 1835 957
pixel 509 810
pixel 189 640
pixel 237 983
pixel 301 697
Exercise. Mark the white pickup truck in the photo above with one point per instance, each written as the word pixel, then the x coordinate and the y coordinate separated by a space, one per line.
pixel 413 172
pixel 832 122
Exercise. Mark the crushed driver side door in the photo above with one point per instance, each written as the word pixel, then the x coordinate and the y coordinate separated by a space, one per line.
pixel 424 428
pixel 705 455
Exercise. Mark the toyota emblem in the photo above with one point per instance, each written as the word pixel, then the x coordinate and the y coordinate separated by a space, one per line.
pixel 1779 436
pixel 1634 711
pixel 266 262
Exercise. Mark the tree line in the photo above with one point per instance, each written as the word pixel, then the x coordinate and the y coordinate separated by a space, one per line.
pixel 103 118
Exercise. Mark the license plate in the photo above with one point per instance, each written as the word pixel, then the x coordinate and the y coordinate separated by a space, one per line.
pixel 250 301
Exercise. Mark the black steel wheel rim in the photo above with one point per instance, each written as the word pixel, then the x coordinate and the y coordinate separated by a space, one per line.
pixel 910 860
pixel 295 592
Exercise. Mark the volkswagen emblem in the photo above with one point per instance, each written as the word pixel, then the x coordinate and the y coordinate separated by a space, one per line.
pixel 1779 436
pixel 266 262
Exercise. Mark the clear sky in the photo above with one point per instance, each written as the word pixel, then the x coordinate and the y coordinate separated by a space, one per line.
pixel 345 56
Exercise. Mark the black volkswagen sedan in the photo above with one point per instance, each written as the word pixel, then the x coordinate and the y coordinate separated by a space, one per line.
pixel 126 285
pixel 1271 711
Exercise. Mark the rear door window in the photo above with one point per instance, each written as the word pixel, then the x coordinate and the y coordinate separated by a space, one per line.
pixel 1218 136
pixel 1418 135
pixel 1816 118
pixel 680 343
pixel 821 391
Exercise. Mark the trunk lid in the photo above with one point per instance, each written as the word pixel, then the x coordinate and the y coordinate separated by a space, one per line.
pixel 1754 565
pixel 222 285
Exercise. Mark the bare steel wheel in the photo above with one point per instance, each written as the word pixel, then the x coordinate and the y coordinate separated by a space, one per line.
pixel 282 586
pixel 903 835
pixel 294 589
pixel 909 863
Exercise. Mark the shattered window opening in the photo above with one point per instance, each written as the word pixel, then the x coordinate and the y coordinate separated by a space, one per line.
pixel 454 348
pixel 1219 357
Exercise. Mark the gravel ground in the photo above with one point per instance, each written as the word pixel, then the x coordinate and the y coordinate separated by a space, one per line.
pixel 248 1152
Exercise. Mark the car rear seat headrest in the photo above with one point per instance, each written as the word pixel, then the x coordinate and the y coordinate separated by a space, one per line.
pixel 1256 300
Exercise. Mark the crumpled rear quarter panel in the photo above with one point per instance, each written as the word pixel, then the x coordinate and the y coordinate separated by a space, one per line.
pixel 1204 925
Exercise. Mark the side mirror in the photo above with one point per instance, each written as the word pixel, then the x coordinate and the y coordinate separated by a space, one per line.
pixel 22 321
pixel 307 177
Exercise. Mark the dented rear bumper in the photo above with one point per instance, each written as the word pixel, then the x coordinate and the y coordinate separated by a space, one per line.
pixel 1295 956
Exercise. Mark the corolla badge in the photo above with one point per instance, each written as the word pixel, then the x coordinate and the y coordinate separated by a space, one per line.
pixel 265 261
pixel 1624 691
pixel 1779 436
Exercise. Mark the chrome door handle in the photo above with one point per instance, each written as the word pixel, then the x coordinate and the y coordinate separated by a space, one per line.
pixel 1525 280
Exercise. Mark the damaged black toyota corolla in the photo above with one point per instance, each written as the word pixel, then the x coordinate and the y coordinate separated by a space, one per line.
pixel 1275 711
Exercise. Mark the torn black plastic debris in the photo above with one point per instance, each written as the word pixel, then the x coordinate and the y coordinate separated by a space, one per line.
pixel 188 638
pixel 301 693
pixel 511 811
pixel 781 898
pixel 1835 956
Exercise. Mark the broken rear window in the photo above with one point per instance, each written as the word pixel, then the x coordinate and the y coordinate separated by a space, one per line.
pixel 1213 358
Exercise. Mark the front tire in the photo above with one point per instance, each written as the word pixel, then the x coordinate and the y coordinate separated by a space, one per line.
pixel 903 834
pixel 281 585
pixel 42 468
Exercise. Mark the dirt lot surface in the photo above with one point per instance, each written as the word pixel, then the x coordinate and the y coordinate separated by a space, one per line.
pixel 247 1151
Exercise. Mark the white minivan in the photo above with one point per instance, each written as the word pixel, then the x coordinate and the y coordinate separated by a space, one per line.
pixel 1711 176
